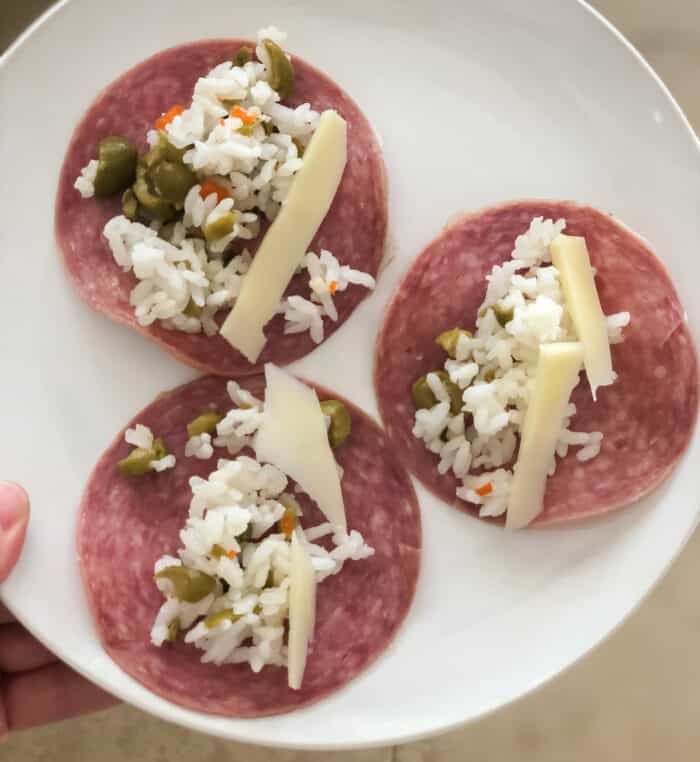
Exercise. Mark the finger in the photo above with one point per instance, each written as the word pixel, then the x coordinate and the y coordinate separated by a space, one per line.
pixel 19 651
pixel 14 517
pixel 5 614
pixel 50 694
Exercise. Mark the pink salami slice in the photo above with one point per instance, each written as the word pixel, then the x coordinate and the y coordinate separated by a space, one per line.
pixel 128 523
pixel 647 416
pixel 354 228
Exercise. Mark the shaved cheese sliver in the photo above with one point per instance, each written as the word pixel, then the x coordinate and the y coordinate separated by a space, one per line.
pixel 287 241
pixel 302 610
pixel 570 257
pixel 557 374
pixel 293 437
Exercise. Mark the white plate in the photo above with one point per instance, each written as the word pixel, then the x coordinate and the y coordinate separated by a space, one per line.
pixel 477 102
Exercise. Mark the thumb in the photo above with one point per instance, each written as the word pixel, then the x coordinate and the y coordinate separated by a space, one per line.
pixel 14 517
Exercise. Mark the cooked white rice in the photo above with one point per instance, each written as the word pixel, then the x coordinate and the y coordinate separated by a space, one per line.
pixel 495 371
pixel 244 497
pixel 184 281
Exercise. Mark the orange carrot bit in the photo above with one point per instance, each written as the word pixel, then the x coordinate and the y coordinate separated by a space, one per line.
pixel 209 187
pixel 231 554
pixel 243 115
pixel 484 490
pixel 288 522
pixel 333 287
pixel 222 122
pixel 168 116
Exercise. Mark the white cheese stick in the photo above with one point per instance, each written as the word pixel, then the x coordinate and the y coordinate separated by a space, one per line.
pixel 302 610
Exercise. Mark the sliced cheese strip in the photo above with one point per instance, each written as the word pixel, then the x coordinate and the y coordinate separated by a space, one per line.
pixel 570 257
pixel 557 374
pixel 302 610
pixel 294 438
pixel 288 238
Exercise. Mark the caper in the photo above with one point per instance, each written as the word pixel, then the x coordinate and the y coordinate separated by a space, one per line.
pixel 173 629
pixel 116 166
pixel 281 69
pixel 503 315
pixel 341 422
pixel 189 585
pixel 220 227
pixel 137 462
pixel 448 340
pixel 203 424
pixel 130 204
pixel 243 55
pixel 423 396
pixel 153 206
pixel 226 615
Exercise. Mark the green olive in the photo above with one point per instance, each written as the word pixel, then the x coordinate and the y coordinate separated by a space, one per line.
pixel 243 56
pixel 203 424
pixel 172 181
pixel 166 231
pixel 226 615
pixel 173 629
pixel 341 422
pixel 168 151
pixel 504 316
pixel 281 69
pixel 116 166
pixel 192 309
pixel 189 585
pixel 448 340
pixel 137 462
pixel 247 129
pixel 423 396
pixel 220 227
pixel 130 204
pixel 153 206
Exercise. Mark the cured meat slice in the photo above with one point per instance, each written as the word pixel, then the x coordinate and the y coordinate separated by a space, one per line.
pixel 128 523
pixel 354 229
pixel 647 417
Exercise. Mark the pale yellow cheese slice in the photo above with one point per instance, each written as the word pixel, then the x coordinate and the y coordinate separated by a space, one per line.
pixel 570 257
pixel 557 374
pixel 294 438
pixel 288 238
pixel 302 610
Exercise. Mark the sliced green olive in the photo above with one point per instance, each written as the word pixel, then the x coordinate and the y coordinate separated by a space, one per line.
pixel 137 462
pixel 448 340
pixel 243 56
pixel 341 422
pixel 166 231
pixel 504 316
pixel 116 167
pixel 153 206
pixel 220 227
pixel 226 615
pixel 189 585
pixel 281 69
pixel 160 449
pixel 130 204
pixel 173 629
pixel 423 396
pixel 203 424
pixel 168 151
pixel 217 551
pixel 172 180
pixel 192 309
pixel 246 129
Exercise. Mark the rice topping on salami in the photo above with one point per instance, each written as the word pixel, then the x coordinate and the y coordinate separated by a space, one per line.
pixel 229 660
pixel 462 440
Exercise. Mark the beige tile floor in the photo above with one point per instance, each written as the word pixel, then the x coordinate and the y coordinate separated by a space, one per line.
pixel 636 698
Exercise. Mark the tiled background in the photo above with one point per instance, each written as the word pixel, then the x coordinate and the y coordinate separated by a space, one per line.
pixel 634 699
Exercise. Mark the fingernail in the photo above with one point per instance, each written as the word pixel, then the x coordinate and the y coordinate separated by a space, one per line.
pixel 14 506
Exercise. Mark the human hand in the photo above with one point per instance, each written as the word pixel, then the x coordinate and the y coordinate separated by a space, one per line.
pixel 35 688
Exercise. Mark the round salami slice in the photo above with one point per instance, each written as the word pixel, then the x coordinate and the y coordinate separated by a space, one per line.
pixel 126 524
pixel 647 417
pixel 354 229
